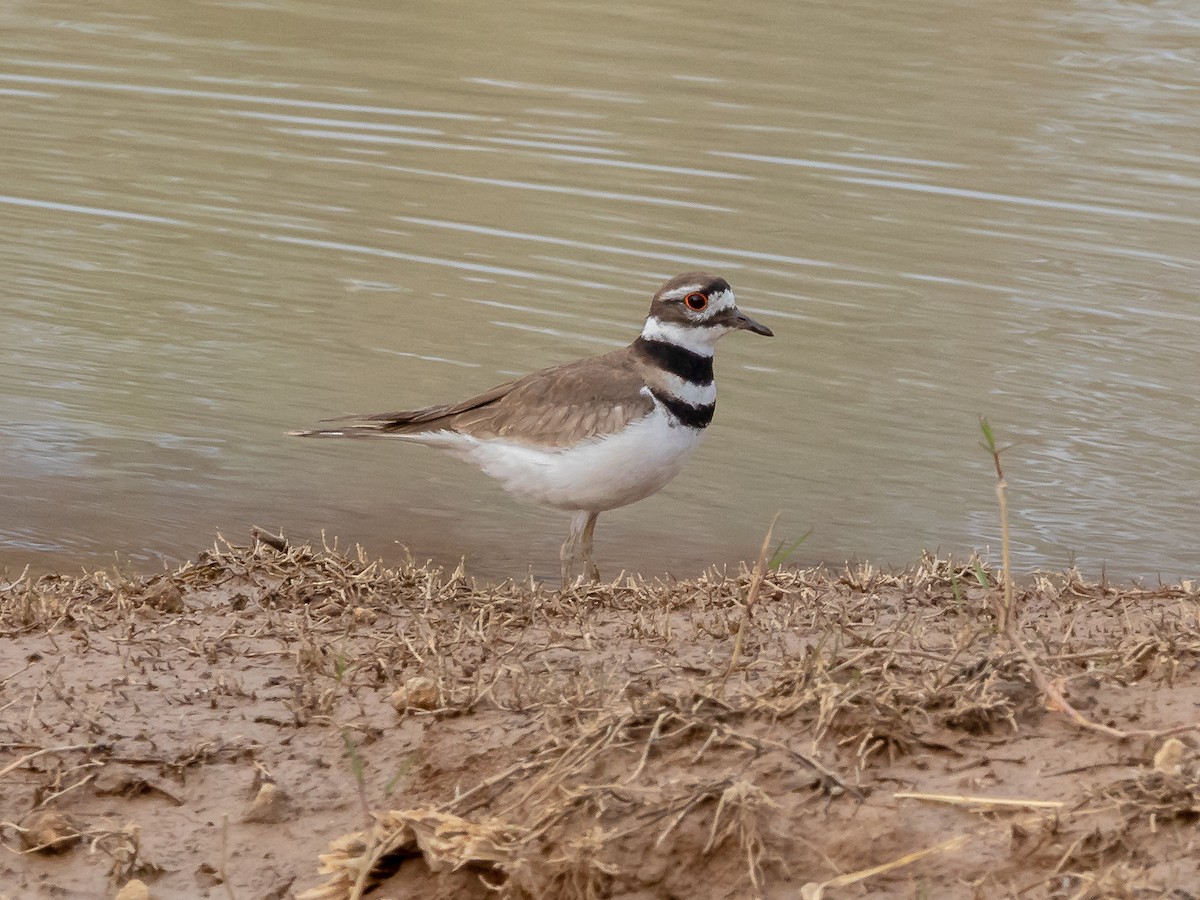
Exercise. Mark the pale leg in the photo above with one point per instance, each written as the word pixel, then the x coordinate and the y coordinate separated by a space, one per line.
pixel 570 547
pixel 589 564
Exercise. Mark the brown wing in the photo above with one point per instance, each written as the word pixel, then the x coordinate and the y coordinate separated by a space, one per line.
pixel 403 419
pixel 555 407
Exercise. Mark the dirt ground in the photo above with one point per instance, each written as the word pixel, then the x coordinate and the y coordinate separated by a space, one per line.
pixel 269 723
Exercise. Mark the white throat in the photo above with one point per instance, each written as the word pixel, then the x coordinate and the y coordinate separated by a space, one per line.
pixel 699 340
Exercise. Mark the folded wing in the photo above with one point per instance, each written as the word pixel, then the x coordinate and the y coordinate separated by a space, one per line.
pixel 556 407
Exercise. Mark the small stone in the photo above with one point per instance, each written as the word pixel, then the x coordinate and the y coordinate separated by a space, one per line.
pixel 49 832
pixel 118 779
pixel 419 692
pixel 207 876
pixel 164 596
pixel 271 805
pixel 133 890
pixel 123 781
pixel 1169 758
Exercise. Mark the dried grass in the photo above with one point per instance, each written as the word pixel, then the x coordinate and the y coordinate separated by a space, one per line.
pixel 649 718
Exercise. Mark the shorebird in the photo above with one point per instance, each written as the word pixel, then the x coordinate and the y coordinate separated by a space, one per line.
pixel 595 434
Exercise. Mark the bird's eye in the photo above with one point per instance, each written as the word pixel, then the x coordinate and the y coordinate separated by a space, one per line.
pixel 696 302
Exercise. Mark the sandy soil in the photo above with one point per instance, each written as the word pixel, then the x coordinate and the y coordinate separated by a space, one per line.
pixel 270 724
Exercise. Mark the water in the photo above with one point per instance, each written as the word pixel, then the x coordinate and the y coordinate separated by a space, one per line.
pixel 220 221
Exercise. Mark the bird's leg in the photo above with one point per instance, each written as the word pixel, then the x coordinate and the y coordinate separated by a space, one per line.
pixel 589 564
pixel 570 547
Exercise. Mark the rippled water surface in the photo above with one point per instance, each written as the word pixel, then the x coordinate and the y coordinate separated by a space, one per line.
pixel 219 221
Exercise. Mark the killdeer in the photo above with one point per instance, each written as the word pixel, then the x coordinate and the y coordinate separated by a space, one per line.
pixel 594 434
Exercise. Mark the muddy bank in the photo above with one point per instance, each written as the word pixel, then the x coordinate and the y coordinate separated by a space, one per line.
pixel 269 723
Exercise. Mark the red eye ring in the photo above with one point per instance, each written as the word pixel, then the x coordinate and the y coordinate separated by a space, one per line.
pixel 697 302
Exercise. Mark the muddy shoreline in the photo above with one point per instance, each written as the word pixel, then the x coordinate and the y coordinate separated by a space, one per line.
pixel 272 722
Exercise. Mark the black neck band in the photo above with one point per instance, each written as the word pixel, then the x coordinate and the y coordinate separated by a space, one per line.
pixel 691 367
pixel 688 415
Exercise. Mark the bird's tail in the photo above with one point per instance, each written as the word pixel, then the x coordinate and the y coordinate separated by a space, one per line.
pixel 432 438
pixel 347 431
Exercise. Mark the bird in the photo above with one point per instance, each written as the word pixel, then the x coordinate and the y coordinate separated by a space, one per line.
pixel 591 435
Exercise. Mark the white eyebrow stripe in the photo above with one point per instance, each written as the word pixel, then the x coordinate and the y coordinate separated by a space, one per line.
pixel 681 292
pixel 721 301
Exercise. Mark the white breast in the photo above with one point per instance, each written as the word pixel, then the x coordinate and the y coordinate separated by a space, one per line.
pixel 598 475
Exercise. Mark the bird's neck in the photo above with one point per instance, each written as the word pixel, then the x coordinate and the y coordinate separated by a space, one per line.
pixel 697 341
pixel 693 368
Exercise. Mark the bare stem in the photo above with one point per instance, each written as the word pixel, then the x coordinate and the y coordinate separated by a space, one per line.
pixel 756 580
pixel 1009 624
pixel 1006 610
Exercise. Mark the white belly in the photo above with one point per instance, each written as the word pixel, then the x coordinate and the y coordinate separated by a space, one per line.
pixel 596 476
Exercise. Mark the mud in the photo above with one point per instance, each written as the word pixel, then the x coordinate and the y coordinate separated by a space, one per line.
pixel 267 723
